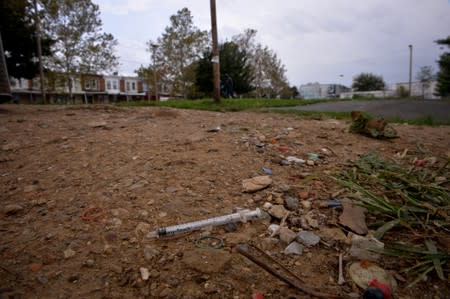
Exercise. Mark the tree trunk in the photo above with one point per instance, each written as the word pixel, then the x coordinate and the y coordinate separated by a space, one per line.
pixel 5 88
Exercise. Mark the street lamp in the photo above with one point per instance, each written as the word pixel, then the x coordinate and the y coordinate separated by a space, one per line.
pixel 155 82
pixel 410 68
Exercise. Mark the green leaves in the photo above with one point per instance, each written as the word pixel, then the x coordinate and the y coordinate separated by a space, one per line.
pixel 368 82
pixel 411 205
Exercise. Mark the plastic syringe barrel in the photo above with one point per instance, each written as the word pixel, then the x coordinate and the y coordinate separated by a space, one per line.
pixel 242 216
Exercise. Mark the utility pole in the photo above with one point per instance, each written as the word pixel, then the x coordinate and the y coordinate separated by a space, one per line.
pixel 410 68
pixel 155 79
pixel 215 53
pixel 39 50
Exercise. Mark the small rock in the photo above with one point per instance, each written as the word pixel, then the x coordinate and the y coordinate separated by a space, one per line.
pixel 145 274
pixel 150 253
pixel 306 204
pixel 269 243
pixel 12 209
pixel 256 183
pixel 294 248
pixel 142 229
pixel 295 160
pixel 333 235
pixel 89 263
pixel 310 163
pixel 68 253
pixel 42 279
pixel 273 228
pixel 287 235
pixel 162 214
pixel 116 268
pixel 230 227
pixel 308 238
pixel 311 220
pixel 354 217
pixel 267 206
pixel 363 248
pixel 303 195
pixel 35 267
pixel 291 203
pixel 261 138
pixel 277 211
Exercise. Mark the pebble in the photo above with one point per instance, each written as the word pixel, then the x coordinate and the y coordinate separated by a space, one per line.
pixel 287 235
pixel 267 206
pixel 165 292
pixel 310 163
pixel 269 243
pixel 364 248
pixel 68 253
pixel 12 209
pixel 89 263
pixel 306 204
pixel 256 183
pixel 142 229
pixel 294 248
pixel 307 238
pixel 35 267
pixel 277 211
pixel 291 203
pixel 145 273
pixel 115 222
pixel 303 195
pixel 273 228
pixel 42 279
pixel 150 252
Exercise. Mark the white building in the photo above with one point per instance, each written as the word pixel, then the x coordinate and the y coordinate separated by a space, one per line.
pixel 321 91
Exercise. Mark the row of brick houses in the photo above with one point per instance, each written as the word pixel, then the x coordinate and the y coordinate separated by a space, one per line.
pixel 86 88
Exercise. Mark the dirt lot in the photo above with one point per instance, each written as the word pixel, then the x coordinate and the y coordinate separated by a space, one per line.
pixel 148 168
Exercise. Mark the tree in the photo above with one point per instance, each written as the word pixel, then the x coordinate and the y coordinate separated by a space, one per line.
pixel 180 47
pixel 19 39
pixel 443 76
pixel 80 44
pixel 234 65
pixel 425 76
pixel 267 71
pixel 368 82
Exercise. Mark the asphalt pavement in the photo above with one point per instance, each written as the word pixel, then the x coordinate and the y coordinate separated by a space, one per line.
pixel 438 110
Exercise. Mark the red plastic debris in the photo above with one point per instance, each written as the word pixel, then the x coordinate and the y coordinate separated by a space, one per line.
pixel 420 163
pixel 383 287
pixel 257 295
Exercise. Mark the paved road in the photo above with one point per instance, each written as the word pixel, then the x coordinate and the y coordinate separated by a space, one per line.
pixel 401 109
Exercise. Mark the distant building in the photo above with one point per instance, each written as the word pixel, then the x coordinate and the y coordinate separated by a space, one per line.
pixel 321 91
pixel 398 90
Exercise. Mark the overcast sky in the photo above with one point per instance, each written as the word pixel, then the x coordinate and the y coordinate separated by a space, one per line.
pixel 317 40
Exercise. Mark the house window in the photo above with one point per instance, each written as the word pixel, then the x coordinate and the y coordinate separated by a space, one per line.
pixel 128 86
pixel 114 82
pixel 90 84
pixel 108 84
pixel 133 86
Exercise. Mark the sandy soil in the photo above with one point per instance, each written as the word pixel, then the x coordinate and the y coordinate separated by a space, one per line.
pixel 147 168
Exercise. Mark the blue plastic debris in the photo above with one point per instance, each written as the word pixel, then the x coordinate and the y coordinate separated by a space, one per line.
pixel 267 171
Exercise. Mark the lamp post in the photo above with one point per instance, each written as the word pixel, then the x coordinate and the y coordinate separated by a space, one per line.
pixel 410 68
pixel 155 82
pixel 215 52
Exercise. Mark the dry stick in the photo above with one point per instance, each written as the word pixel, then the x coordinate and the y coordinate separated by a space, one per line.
pixel 243 249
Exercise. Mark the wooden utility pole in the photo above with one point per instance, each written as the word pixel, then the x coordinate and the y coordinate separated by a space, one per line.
pixel 410 69
pixel 215 53
pixel 39 50
pixel 155 78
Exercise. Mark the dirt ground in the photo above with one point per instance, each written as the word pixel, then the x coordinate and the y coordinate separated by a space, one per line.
pixel 146 168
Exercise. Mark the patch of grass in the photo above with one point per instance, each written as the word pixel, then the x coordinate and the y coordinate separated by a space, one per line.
pixel 225 105
pixel 425 121
pixel 411 205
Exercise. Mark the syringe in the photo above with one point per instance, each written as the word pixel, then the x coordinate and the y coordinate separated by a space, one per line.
pixel 242 216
